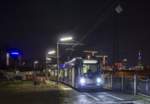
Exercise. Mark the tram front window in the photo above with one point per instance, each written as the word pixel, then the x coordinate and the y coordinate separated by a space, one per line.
pixel 89 69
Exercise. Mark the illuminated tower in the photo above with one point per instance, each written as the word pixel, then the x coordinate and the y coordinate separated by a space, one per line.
pixel 140 66
pixel 139 58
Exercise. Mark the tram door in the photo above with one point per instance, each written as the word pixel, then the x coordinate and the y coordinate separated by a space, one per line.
pixel 73 76
pixel 70 76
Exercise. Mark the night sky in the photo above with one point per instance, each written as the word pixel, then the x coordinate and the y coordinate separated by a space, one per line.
pixel 34 26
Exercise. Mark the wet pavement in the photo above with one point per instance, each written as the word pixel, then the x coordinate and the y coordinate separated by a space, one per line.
pixel 75 97
pixel 65 95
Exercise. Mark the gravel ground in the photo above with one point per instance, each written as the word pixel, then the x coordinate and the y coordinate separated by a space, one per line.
pixel 26 93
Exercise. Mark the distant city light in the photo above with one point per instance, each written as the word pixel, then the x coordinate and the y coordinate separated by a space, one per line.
pixel 36 62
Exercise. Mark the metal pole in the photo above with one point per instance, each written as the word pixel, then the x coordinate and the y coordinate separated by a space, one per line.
pixel 135 84
pixel 57 62
pixel 111 81
pixel 7 59
pixel 46 62
pixel 46 68
pixel 147 89
pixel 122 82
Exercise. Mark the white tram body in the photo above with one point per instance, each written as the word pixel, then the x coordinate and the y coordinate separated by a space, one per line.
pixel 81 74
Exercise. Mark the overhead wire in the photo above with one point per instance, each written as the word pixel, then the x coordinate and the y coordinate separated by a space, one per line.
pixel 101 19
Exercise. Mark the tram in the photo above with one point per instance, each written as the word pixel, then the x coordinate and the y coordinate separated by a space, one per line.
pixel 81 73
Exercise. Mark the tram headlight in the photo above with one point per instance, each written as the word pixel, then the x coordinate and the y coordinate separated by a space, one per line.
pixel 99 80
pixel 82 81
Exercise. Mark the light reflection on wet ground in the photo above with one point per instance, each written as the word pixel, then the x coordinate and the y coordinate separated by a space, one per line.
pixel 62 95
pixel 94 98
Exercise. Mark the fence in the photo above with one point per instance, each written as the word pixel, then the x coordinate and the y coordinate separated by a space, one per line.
pixel 143 86
pixel 130 84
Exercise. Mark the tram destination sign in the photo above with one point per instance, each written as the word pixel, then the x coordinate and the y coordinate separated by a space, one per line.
pixel 90 61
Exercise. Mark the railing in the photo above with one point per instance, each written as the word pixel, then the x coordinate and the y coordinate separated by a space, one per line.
pixel 133 83
pixel 143 86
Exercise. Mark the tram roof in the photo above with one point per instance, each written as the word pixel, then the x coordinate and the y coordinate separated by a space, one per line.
pixel 84 60
pixel 73 60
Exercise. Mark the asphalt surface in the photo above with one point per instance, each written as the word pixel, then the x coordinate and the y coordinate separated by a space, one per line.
pixel 64 95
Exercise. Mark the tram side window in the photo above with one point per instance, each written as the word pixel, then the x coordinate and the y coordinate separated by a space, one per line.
pixel 70 74
pixel 66 73
pixel 61 74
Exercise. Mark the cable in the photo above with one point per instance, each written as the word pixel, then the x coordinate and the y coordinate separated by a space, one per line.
pixel 100 20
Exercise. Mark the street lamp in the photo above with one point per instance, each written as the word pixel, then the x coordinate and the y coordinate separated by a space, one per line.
pixel 116 43
pixel 48 59
pixel 35 64
pixel 49 56
pixel 51 52
pixel 7 58
pixel 63 39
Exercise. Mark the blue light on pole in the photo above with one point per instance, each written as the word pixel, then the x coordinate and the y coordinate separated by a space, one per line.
pixel 14 53
pixel 14 56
